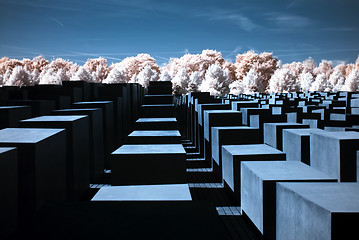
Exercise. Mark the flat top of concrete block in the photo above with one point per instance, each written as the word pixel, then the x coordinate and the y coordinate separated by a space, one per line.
pixel 335 197
pixel 157 120
pixel 286 124
pixel 212 104
pixel 340 135
pixel 94 102
pixel 67 118
pixel 251 149
pixel 303 131
pixel 234 128
pixel 221 111
pixel 158 105
pixel 157 133
pixel 166 192
pixel 26 135
pixel 77 109
pixel 6 149
pixel 285 170
pixel 151 149
pixel 162 95
pixel 11 107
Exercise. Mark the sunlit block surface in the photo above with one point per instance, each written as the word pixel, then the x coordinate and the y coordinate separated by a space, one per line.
pixel 171 192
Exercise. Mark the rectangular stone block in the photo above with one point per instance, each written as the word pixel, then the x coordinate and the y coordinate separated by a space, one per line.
pixel 335 154
pixel 327 211
pixel 156 124
pixel 155 137
pixel 296 144
pixel 148 164
pixel 41 166
pixel 157 111
pixel 247 112
pixel 230 136
pixel 210 106
pixel 11 115
pixel 214 118
pixel 258 189
pixel 108 124
pixel 163 192
pixel 237 105
pixel 233 155
pixel 9 191
pixel 96 139
pixel 273 133
pixel 38 107
pixel 158 99
pixel 190 220
pixel 77 152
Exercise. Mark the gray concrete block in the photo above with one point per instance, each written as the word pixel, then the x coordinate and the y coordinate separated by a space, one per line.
pixel 77 151
pixel 259 189
pixel 230 136
pixel 9 191
pixel 41 166
pixel 157 110
pixel 317 211
pixel 233 155
pixel 155 137
pixel 163 192
pixel 296 144
pixel 335 154
pixel 273 133
pixel 214 118
pixel 210 106
pixel 156 124
pixel 148 164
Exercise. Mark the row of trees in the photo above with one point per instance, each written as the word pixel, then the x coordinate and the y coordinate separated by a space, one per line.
pixel 207 71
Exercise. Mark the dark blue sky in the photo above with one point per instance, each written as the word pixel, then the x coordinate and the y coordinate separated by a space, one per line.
pixel 114 29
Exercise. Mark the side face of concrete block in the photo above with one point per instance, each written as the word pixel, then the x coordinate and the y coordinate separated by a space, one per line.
pixel 269 134
pixel 297 218
pixel 9 191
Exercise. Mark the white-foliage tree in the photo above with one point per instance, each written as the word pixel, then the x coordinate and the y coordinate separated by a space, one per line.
pixel 306 80
pixel 115 76
pixel 216 81
pixel 236 87
pixel 352 81
pixel 51 77
pixel 147 75
pixel 194 82
pixel 180 82
pixel 98 68
pixel 19 77
pixel 165 76
pixel 336 80
pixel 283 81
pixel 82 75
pixel 252 83
pixel 320 83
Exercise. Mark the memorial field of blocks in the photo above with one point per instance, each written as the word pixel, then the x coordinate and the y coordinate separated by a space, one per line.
pixel 102 161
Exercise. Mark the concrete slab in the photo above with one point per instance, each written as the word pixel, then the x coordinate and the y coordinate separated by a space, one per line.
pixel 148 164
pixel 233 155
pixel 96 139
pixel 273 133
pixel 296 144
pixel 40 180
pixel 11 115
pixel 157 110
pixel 155 137
pixel 156 124
pixel 77 153
pixel 230 136
pixel 164 192
pixel 9 191
pixel 335 154
pixel 317 210
pixel 258 189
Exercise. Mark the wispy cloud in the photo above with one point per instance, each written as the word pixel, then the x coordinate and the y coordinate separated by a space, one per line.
pixel 237 18
pixel 284 21
pixel 340 29
pixel 56 21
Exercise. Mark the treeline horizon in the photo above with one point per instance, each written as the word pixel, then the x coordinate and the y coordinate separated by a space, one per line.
pixel 207 72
